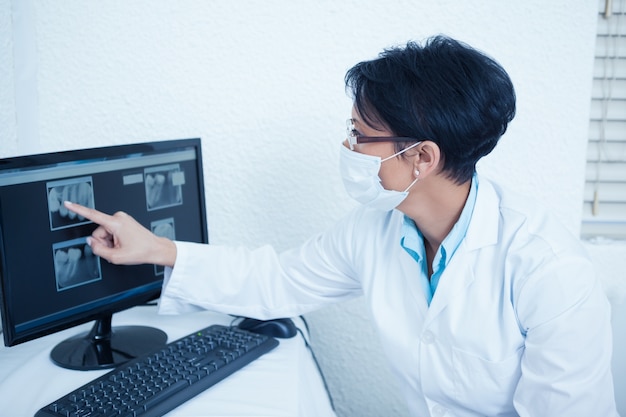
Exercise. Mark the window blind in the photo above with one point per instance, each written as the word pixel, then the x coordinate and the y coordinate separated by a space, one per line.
pixel 604 206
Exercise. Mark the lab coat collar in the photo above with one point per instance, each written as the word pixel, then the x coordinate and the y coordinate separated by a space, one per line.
pixel 484 226
pixel 482 231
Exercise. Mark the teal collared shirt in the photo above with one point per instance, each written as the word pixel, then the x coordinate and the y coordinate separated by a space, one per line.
pixel 413 242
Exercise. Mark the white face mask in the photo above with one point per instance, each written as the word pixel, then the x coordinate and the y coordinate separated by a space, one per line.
pixel 359 173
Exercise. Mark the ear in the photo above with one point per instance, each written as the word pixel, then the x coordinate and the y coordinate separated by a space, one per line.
pixel 427 158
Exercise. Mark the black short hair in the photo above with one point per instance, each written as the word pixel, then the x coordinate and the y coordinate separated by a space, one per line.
pixel 444 91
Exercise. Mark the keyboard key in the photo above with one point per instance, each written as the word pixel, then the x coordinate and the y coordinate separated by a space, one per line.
pixel 152 385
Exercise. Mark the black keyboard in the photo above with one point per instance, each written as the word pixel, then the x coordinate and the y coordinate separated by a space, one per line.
pixel 154 384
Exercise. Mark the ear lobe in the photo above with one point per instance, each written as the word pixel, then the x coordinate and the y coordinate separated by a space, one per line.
pixel 428 158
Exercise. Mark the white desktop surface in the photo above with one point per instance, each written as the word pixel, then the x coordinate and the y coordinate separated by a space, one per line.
pixel 283 382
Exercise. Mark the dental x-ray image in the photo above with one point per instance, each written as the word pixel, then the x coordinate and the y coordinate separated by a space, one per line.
pixel 78 190
pixel 75 264
pixel 163 186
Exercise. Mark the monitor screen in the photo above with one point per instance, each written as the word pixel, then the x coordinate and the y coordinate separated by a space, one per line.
pixel 49 278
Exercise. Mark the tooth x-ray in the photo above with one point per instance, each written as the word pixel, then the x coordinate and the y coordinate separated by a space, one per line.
pixel 77 190
pixel 163 186
pixel 74 264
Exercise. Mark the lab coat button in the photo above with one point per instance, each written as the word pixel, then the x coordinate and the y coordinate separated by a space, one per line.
pixel 428 337
pixel 439 411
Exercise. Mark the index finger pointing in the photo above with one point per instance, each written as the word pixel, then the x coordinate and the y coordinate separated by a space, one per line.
pixel 88 213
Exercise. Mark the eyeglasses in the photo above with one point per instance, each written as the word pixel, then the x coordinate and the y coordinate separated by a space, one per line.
pixel 354 139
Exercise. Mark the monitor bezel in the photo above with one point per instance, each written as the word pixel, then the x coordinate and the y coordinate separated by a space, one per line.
pixel 11 338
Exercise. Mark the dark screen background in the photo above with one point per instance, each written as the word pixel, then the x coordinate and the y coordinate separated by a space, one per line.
pixel 31 294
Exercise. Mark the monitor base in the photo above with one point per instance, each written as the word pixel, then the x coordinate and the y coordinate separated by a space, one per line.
pixel 106 347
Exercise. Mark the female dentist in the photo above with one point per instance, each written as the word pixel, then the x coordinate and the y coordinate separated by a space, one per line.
pixel 486 305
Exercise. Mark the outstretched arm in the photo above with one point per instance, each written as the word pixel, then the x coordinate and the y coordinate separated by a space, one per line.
pixel 120 239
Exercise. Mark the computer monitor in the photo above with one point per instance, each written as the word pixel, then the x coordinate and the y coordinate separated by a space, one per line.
pixel 49 278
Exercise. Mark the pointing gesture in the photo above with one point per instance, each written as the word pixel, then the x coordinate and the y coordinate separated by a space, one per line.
pixel 121 240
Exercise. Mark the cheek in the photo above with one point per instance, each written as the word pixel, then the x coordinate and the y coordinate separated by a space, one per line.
pixel 394 174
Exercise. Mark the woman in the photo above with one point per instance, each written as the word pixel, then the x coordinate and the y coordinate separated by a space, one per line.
pixel 485 303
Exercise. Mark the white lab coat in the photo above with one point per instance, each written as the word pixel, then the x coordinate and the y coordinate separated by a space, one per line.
pixel 519 325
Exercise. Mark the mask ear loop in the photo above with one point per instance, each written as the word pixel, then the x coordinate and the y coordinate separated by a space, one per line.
pixel 401 152
pixel 417 173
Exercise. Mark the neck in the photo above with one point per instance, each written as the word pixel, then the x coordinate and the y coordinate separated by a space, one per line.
pixel 435 206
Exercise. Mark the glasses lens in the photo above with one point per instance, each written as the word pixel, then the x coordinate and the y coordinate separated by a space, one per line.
pixel 350 135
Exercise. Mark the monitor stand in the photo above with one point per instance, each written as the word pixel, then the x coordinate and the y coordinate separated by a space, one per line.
pixel 107 347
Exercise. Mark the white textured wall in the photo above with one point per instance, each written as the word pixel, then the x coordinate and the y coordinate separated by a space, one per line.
pixel 262 83
pixel 8 135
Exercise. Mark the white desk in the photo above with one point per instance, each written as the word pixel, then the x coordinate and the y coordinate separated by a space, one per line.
pixel 283 382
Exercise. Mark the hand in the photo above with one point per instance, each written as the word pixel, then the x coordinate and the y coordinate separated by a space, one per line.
pixel 121 240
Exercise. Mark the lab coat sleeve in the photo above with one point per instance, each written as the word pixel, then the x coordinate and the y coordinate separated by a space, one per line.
pixel 566 365
pixel 261 283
